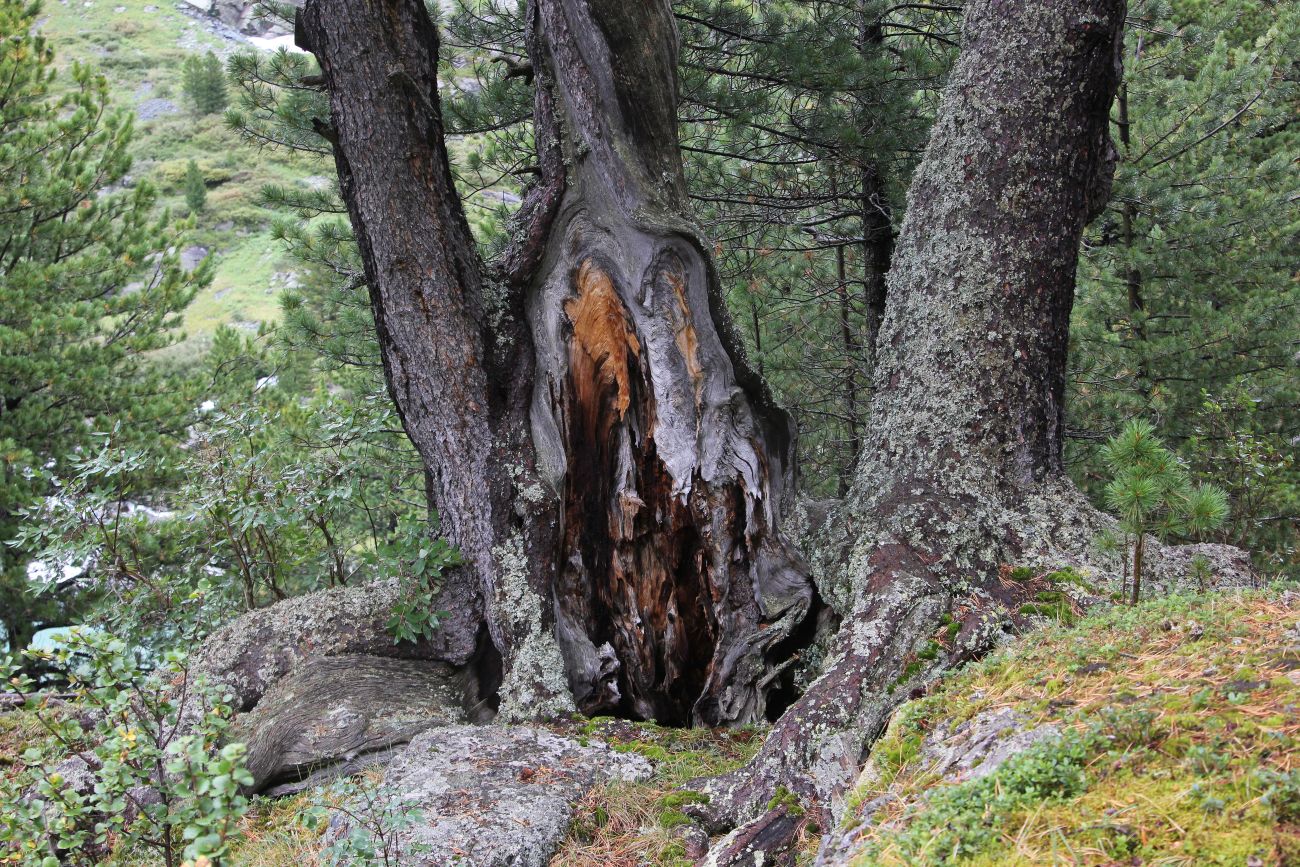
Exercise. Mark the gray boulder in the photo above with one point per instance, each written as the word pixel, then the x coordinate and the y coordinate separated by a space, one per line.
pixel 491 796
pixel 251 653
pixel 338 715
pixel 980 745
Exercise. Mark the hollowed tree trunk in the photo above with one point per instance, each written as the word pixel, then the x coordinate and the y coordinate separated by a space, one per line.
pixel 602 455
pixel 962 473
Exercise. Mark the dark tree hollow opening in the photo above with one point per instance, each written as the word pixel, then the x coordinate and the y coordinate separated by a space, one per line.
pixel 632 547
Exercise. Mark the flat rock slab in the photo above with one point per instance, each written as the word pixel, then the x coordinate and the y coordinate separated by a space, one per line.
pixel 337 715
pixel 490 796
pixel 982 744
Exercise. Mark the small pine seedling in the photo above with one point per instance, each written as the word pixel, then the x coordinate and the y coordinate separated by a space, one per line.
pixel 1152 493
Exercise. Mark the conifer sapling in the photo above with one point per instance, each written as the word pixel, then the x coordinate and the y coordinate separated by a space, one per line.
pixel 1152 493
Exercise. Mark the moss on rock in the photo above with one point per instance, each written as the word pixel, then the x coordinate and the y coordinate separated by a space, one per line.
pixel 1170 736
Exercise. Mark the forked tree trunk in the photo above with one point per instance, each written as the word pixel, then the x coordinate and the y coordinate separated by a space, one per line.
pixel 603 457
pixel 963 469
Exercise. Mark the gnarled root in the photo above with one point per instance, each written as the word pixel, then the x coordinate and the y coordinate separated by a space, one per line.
pixel 815 750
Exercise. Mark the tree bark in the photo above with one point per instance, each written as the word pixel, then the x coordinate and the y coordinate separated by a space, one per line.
pixel 877 219
pixel 602 455
pixel 877 253
pixel 963 472
pixel 457 363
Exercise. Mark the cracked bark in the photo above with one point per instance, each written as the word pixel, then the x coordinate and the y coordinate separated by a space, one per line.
pixel 965 438
pixel 602 455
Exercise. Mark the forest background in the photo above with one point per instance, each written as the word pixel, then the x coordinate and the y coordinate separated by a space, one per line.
pixel 218 435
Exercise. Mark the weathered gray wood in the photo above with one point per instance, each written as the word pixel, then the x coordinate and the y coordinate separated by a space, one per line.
pixel 674 584
pixel 601 454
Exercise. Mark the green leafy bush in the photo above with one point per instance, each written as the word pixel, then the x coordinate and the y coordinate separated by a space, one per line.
pixel 375 819
pixel 133 761
pixel 276 498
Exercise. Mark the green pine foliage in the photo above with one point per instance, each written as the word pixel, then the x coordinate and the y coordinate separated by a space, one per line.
pixel 802 125
pixel 205 84
pixel 1237 443
pixel 196 188
pixel 88 287
pixel 1187 282
pixel 1152 493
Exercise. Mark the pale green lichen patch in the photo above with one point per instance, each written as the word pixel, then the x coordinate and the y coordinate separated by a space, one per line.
pixel 1173 738
pixel 534 685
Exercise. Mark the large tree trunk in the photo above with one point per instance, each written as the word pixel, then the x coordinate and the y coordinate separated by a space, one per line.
pixel 602 456
pixel 963 469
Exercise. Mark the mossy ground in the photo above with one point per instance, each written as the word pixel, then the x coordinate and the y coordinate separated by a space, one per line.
pixel 615 825
pixel 19 729
pixel 619 824
pixel 1180 721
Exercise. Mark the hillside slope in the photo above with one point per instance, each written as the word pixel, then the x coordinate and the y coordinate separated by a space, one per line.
pixel 140 47
pixel 1165 734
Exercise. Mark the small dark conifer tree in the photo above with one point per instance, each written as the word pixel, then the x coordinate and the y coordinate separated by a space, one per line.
pixel 1152 493
pixel 205 84
pixel 196 189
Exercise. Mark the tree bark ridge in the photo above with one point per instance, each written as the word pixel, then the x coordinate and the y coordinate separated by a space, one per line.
pixel 965 440
pixel 458 367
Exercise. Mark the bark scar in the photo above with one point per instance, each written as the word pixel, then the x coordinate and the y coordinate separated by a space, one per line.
pixel 688 343
pixel 604 344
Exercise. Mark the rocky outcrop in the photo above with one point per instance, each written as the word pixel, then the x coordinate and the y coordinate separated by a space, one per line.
pixel 251 653
pixel 954 753
pixel 326 693
pixel 489 796
pixel 1202 566
pixel 247 16
pixel 338 715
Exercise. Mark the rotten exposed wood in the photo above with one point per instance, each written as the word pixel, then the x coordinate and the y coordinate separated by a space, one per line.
pixel 675 586
pixel 601 453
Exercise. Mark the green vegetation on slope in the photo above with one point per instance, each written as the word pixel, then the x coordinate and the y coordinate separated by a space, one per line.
pixel 1178 746
pixel 142 49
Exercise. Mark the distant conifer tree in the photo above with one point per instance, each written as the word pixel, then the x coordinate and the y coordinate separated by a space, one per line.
pixel 88 291
pixel 196 189
pixel 205 84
